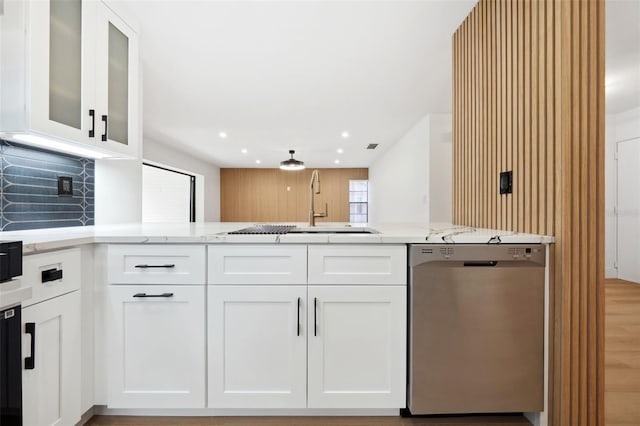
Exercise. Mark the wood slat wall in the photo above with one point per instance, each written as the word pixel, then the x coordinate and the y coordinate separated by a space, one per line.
pixel 529 97
pixel 261 195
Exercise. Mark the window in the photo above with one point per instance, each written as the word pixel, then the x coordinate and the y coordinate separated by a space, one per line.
pixel 358 201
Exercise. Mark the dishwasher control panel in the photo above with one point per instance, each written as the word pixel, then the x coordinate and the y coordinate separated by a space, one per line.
pixel 421 253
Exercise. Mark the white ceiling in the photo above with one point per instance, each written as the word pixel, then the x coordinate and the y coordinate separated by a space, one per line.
pixel 622 82
pixel 293 75
pixel 280 75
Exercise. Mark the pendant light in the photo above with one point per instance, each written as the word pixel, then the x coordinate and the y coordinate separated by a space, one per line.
pixel 291 163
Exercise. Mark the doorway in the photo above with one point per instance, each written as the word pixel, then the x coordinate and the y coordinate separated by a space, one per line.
pixel 628 209
pixel 168 196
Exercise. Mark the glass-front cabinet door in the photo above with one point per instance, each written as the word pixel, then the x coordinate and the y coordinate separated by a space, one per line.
pixel 117 87
pixel 62 81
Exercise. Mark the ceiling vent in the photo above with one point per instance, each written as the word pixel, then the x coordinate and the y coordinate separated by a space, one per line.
pixel 372 146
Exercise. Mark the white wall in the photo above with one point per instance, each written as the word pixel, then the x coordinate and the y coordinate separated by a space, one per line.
pixel 163 154
pixel 118 191
pixel 440 168
pixel 399 179
pixel 619 127
pixel 411 180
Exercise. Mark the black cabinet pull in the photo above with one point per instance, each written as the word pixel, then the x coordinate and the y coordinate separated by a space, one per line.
pixel 30 362
pixel 92 114
pixel 315 316
pixel 51 275
pixel 153 295
pixel 489 263
pixel 106 126
pixel 168 265
pixel 298 319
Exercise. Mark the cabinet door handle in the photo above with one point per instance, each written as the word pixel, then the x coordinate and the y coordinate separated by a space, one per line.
pixel 106 126
pixel 153 295
pixel 92 114
pixel 30 362
pixel 168 265
pixel 298 319
pixel 51 275
pixel 315 316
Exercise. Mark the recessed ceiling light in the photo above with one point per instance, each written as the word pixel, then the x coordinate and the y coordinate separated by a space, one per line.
pixel 336 161
pixel 244 150
pixel 222 135
pixel 345 135
pixel 339 150
pixel 258 161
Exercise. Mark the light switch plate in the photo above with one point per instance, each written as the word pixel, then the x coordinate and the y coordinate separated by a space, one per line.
pixel 506 182
pixel 65 186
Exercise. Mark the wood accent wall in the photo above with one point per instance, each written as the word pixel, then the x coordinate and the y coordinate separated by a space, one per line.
pixel 261 195
pixel 529 97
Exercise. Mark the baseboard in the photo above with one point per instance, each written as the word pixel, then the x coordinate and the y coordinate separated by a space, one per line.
pixel 611 273
pixel 213 412
pixel 86 416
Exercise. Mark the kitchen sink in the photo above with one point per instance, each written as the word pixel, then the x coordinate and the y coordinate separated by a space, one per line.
pixel 327 230
pixel 292 229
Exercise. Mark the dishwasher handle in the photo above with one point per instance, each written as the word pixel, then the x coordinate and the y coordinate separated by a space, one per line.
pixel 483 263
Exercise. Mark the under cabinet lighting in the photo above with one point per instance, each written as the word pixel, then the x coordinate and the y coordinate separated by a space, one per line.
pixel 54 145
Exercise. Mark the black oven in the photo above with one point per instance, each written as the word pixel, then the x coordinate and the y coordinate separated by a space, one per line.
pixel 10 367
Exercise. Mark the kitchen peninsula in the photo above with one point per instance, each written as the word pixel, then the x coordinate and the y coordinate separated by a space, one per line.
pixel 191 320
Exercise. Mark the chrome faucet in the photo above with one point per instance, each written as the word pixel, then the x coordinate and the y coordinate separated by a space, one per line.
pixel 314 188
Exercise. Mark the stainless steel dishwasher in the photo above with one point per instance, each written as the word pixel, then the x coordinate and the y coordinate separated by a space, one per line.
pixel 476 328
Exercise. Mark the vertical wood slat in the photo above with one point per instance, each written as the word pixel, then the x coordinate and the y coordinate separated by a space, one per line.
pixel 530 98
pixel 532 186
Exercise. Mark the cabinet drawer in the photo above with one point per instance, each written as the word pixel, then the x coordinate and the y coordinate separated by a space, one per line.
pixel 156 264
pixel 254 264
pixel 52 274
pixel 362 264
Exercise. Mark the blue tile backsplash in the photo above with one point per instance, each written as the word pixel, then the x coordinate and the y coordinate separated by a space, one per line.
pixel 29 193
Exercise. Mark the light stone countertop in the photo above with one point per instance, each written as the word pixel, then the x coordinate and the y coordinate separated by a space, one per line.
pixel 215 232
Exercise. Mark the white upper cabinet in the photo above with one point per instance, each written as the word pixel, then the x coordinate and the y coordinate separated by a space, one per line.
pixel 69 76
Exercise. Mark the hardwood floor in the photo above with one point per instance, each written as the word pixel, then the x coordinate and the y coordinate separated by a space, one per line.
pixel 622 353
pixel 308 421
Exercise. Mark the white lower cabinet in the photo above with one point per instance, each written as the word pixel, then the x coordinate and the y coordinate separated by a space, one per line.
pixel 156 343
pixel 357 341
pixel 51 374
pixel 257 346
pixel 298 346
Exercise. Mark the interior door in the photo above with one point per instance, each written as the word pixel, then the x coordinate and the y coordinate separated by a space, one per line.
pixel 629 210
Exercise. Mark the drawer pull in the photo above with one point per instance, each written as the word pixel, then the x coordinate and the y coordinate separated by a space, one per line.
pixel 168 265
pixel 153 295
pixel 298 319
pixel 30 361
pixel 51 275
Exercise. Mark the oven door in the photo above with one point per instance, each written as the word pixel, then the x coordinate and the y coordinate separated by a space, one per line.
pixel 10 367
